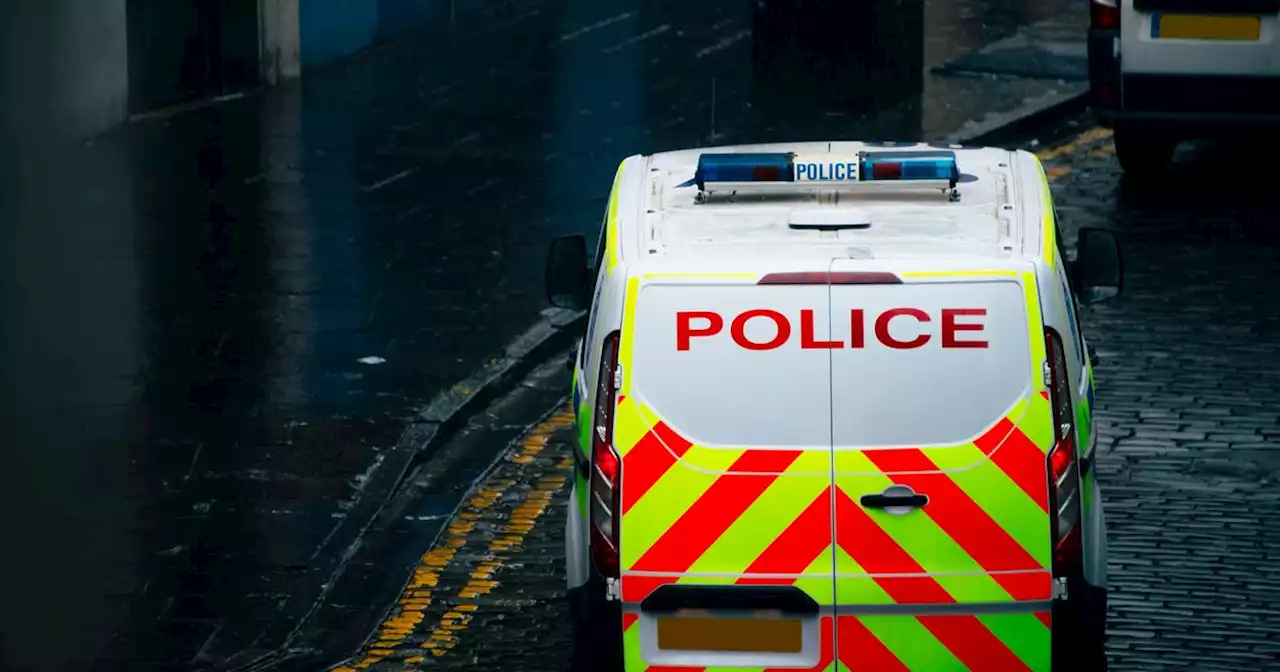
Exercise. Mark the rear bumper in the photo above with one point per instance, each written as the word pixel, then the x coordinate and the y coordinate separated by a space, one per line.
pixel 1214 104
pixel 1193 105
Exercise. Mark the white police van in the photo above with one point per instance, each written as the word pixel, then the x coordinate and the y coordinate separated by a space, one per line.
pixel 1163 71
pixel 835 407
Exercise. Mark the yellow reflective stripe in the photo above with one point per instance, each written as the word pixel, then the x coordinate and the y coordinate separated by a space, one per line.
pixel 857 589
pixel 627 338
pixel 704 580
pixel 580 495
pixel 1049 231
pixel 1037 423
pixel 816 581
pixel 765 520
pixel 1025 636
pixel 973 588
pixel 665 502
pixel 912 643
pixel 611 222
pixel 1035 329
pixel 629 427
pixel 999 496
pixel 632 660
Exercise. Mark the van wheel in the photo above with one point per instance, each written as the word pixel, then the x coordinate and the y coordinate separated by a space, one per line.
pixel 1080 629
pixel 1098 630
pixel 597 629
pixel 1092 612
pixel 1143 153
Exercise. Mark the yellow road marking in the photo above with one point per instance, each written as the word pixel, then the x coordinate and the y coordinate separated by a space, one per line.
pixel 419 594
pixel 1099 138
pixel 1090 136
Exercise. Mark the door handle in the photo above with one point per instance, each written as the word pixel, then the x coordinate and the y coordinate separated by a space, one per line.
pixel 897 499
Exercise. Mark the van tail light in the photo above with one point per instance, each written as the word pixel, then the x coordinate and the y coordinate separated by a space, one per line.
pixel 1063 466
pixel 1104 14
pixel 606 466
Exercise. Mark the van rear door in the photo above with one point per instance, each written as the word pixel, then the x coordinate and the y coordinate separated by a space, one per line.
pixel 724 429
pixel 940 433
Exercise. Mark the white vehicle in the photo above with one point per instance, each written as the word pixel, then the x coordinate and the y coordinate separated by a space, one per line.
pixel 1163 71
pixel 835 409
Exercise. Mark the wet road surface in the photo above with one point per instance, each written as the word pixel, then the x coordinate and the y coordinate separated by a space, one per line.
pixel 216 327
pixel 1188 459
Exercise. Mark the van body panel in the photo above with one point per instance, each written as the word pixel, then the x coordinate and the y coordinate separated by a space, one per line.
pixel 946 399
pixel 724 428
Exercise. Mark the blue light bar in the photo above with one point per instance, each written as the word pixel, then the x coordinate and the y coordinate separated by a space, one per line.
pixel 923 165
pixel 740 170
pixel 744 168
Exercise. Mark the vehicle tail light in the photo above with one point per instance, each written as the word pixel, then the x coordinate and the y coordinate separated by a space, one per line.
pixel 606 466
pixel 1104 14
pixel 1105 94
pixel 1063 465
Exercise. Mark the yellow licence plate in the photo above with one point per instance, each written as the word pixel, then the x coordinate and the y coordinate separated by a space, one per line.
pixel 1198 27
pixel 739 635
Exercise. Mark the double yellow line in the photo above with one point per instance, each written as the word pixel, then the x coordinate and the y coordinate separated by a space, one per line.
pixel 397 637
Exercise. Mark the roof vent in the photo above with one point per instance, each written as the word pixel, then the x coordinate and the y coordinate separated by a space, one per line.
pixel 831 219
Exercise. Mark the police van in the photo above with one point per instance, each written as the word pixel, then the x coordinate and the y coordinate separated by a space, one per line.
pixel 1162 71
pixel 835 411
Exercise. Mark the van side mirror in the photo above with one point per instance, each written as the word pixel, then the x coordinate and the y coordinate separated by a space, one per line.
pixel 568 275
pixel 1098 267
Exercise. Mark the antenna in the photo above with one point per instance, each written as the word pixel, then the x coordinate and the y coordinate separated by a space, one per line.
pixel 713 107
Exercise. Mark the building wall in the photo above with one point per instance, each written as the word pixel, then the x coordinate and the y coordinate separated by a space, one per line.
pixel 65 65
pixel 329 30
pixel 91 63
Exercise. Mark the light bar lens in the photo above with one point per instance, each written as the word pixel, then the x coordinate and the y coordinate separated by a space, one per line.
pixel 780 167
pixel 744 168
pixel 931 165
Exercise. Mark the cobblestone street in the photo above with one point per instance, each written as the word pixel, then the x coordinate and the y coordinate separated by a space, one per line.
pixel 1187 386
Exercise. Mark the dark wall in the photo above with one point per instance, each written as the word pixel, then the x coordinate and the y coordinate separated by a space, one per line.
pixel 329 30
pixel 183 51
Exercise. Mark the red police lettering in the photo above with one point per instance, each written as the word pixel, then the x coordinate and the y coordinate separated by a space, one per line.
pixel 882 328
pixel 808 339
pixel 950 327
pixel 857 334
pixel 686 331
pixel 738 329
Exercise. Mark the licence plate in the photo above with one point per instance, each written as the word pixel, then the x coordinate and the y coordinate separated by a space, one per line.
pixel 739 635
pixel 1200 27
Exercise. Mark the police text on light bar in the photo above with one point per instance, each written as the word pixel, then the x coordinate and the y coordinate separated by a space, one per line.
pixel 729 171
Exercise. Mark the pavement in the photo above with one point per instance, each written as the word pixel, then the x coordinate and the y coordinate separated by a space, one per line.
pixel 230 337
pixel 1189 373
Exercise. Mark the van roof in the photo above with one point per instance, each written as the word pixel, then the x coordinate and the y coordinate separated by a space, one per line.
pixel 990 220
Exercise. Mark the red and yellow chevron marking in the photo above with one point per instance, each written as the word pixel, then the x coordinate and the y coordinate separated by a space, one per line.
pixel 704 515
pixel 701 515
pixel 712 515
